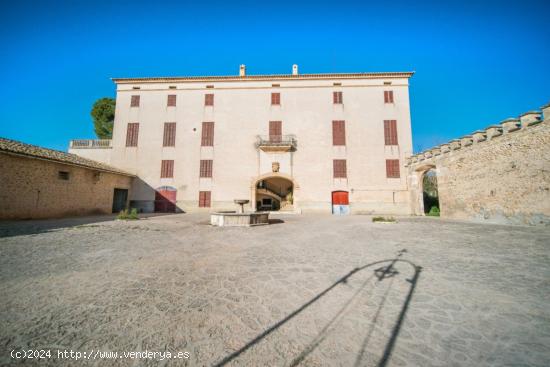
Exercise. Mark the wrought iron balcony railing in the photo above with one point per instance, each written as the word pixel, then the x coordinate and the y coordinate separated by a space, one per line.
pixel 276 142
pixel 91 144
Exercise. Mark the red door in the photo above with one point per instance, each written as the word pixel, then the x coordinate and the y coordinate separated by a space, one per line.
pixel 340 198
pixel 165 200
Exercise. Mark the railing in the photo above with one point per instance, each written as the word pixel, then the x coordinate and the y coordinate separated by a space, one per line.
pixel 276 140
pixel 91 144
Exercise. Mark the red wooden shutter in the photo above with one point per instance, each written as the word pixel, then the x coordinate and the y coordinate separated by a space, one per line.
pixel 275 131
pixel 169 139
pixel 132 133
pixel 206 168
pixel 275 99
pixel 208 99
pixel 338 132
pixel 337 97
pixel 134 102
pixel 204 199
pixel 339 168
pixel 207 137
pixel 390 96
pixel 167 169
pixel 171 100
pixel 392 168
pixel 390 132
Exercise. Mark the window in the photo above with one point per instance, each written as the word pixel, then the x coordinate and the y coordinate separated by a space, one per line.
pixel 206 168
pixel 63 175
pixel 392 168
pixel 275 131
pixel 390 132
pixel 207 138
pixel 275 99
pixel 172 87
pixel 171 100
pixel 134 102
pixel 204 199
pixel 388 96
pixel 208 99
pixel 339 132
pixel 340 170
pixel 337 98
pixel 132 134
pixel 167 169
pixel 169 139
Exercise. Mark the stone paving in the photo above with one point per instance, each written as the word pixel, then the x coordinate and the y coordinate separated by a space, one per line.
pixel 313 290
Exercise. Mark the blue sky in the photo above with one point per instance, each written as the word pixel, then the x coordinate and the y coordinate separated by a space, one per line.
pixel 476 63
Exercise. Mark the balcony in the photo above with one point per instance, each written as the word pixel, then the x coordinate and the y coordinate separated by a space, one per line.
pixel 91 144
pixel 276 143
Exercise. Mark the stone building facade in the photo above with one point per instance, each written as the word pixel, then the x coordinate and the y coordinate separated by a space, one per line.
pixel 295 142
pixel 500 174
pixel 44 183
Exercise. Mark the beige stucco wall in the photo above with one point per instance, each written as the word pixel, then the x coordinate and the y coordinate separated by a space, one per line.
pixel 505 179
pixel 242 110
pixel 30 188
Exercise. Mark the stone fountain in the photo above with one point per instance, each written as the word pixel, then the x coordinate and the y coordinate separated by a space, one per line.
pixel 239 218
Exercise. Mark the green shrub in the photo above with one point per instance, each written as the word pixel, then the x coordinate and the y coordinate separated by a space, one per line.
pixel 383 219
pixel 124 215
pixel 434 211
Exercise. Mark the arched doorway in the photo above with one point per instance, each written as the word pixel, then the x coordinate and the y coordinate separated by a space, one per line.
pixel 274 193
pixel 430 193
pixel 165 199
pixel 340 202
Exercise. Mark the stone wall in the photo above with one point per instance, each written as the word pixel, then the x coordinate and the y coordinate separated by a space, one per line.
pixel 500 174
pixel 31 188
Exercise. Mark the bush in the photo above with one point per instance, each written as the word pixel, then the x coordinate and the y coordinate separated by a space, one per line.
pixel 383 219
pixel 434 211
pixel 124 215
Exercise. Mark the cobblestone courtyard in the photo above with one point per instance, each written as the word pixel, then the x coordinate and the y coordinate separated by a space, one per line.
pixel 313 290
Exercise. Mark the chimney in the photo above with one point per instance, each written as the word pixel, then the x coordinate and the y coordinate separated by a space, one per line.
pixel 242 70
pixel 294 69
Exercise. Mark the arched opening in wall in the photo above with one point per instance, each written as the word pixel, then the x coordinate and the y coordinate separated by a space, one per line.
pixel 430 194
pixel 340 202
pixel 165 199
pixel 274 194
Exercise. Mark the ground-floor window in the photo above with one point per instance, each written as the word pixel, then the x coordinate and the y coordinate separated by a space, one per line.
pixel 204 199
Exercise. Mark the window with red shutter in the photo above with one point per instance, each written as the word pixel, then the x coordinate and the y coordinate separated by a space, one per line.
pixel 337 98
pixel 171 102
pixel 132 133
pixel 204 199
pixel 339 168
pixel 388 96
pixel 392 168
pixel 339 132
pixel 167 169
pixel 207 136
pixel 169 139
pixel 134 102
pixel 206 168
pixel 275 99
pixel 208 99
pixel 275 131
pixel 390 132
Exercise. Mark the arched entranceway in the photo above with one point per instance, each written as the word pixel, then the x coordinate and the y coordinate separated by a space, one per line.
pixel 274 193
pixel 165 199
pixel 430 194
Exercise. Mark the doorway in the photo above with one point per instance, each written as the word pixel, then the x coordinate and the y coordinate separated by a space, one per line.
pixel 165 199
pixel 340 203
pixel 120 199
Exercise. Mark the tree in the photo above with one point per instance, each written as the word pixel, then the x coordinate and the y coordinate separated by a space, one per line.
pixel 103 114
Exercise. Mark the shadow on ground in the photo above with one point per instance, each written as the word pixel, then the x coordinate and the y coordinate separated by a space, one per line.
pixel 385 273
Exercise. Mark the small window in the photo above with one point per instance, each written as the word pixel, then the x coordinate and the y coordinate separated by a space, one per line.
pixel 392 168
pixel 209 100
pixel 204 199
pixel 275 99
pixel 136 88
pixel 388 96
pixel 206 168
pixel 339 168
pixel 387 83
pixel 275 85
pixel 337 84
pixel 172 87
pixel 209 86
pixel 134 102
pixel 167 169
pixel 63 175
pixel 337 98
pixel 171 102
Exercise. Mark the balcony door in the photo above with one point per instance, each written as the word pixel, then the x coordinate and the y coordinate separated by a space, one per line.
pixel 275 131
